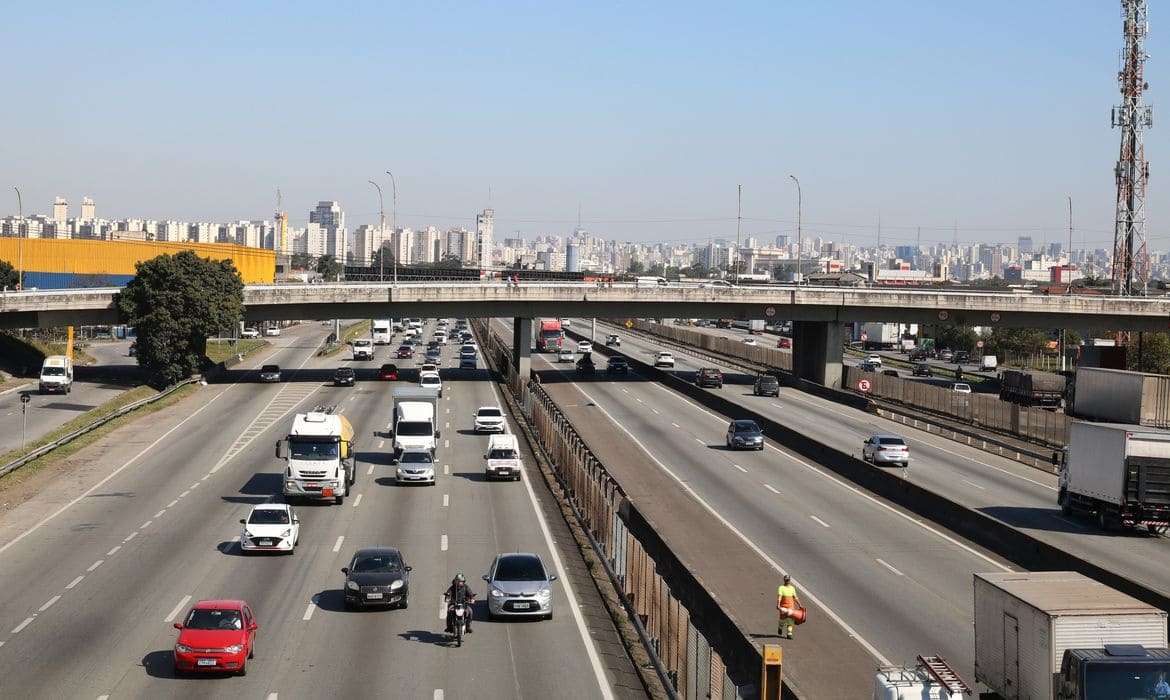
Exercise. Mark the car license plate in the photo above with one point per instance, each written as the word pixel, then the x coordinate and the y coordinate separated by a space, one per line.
pixel 265 543
pixel 374 596
pixel 521 606
pixel 206 662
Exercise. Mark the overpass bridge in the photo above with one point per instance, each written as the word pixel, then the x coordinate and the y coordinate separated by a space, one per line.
pixel 817 312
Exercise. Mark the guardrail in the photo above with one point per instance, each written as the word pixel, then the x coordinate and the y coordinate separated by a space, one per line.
pixel 685 660
pixel 70 437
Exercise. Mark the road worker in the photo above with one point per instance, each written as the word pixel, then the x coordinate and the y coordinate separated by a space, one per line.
pixel 787 602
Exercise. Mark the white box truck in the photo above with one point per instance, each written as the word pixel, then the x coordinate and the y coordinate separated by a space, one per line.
pixel 1060 634
pixel 1117 473
pixel 56 375
pixel 319 456
pixel 363 349
pixel 413 425
pixel 381 331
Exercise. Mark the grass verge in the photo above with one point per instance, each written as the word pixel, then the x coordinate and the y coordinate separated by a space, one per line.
pixel 348 333
pixel 220 350
pixel 127 397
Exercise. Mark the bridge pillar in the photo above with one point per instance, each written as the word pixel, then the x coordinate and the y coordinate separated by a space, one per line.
pixel 817 351
pixel 522 346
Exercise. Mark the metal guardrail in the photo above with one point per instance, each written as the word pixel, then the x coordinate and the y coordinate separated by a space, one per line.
pixel 70 437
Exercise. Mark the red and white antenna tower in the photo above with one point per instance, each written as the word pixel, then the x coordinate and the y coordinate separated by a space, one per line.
pixel 1131 259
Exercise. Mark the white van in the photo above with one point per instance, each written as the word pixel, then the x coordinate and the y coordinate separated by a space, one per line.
pixel 381 331
pixel 988 362
pixel 502 460
pixel 56 374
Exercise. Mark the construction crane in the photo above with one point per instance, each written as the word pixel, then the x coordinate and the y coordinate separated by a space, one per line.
pixel 281 233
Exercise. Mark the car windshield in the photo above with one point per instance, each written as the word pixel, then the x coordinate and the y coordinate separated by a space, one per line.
pixel 489 413
pixel 270 368
pixel 708 372
pixel 746 426
pixel 891 441
pixel 502 453
pixel 361 343
pixel 962 387
pixel 311 449
pixel 416 458
pixel 520 569
pixel 429 380
pixel 269 516
pixel 387 368
pixel 201 619
pixel 768 380
pixel 414 428
pixel 53 371
pixel 344 371
pixel 376 563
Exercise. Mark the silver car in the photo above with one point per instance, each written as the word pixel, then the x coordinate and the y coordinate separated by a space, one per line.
pixel 519 586
pixel 886 449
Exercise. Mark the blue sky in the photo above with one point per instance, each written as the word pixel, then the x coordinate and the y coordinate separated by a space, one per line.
pixel 647 114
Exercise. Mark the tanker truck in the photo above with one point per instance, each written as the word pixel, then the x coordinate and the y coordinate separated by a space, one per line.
pixel 319 457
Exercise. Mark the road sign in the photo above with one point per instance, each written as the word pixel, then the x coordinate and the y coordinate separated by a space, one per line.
pixel 629 323
pixel 979 344
pixel 863 385
pixel 25 397
pixel 770 311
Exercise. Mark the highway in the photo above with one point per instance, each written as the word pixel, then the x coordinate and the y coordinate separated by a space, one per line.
pixel 901 585
pixel 93 385
pixel 95 571
pixel 1011 492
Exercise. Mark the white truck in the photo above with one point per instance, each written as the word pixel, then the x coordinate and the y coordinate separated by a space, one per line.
pixel 56 375
pixel 381 331
pixel 880 336
pixel 363 349
pixel 1060 634
pixel 319 456
pixel 414 424
pixel 1117 473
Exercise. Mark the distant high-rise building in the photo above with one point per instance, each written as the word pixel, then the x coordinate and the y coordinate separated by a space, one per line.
pixel 1024 243
pixel 572 257
pixel 402 245
pixel 905 252
pixel 484 225
pixel 425 247
pixel 87 209
pixel 60 211
pixel 329 216
pixel 367 239
pixel 782 240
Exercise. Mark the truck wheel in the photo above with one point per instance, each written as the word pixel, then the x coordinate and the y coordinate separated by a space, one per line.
pixel 1104 522
pixel 1062 499
pixel 338 500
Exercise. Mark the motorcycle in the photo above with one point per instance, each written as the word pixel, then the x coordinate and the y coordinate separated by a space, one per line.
pixel 461 612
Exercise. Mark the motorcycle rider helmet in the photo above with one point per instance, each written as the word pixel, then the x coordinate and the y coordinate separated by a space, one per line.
pixel 460 577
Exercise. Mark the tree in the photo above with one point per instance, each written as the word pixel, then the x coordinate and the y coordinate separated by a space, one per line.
pixel 450 262
pixel 636 267
pixel 952 337
pixel 1149 353
pixel 329 268
pixel 175 303
pixel 301 261
pixel 996 282
pixel 8 275
pixel 1016 342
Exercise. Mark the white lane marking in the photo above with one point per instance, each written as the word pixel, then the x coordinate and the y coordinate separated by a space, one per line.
pixel 885 564
pixel 309 610
pixel 113 551
pixel 972 483
pixel 370 470
pixel 194 485
pixel 777 405
pixel 639 400
pixel 448 410
pixel 184 494
pixel 443 543
pixel 96 564
pixel 842 484
pixel 446 500
pixel 655 411
pixel 726 523
pixel 353 398
pixel 112 474
pixel 357 500
pixel 446 468
pixel 700 441
pixel 103 697
pixel 172 503
pixel 624 390
pixel 49 603
pixel 446 443
pixel 739 468
pixel 145 525
pixel 73 584
pixel 438 694
pixel 381 444
pixel 129 537
pixel 160 513
pixel 675 424
pixel 271 696
pixel 591 650
pixel 822 522
pixel 337 544
pixel 177 609
pixel 772 489
pixel 205 477
pixel 26 623
pixel 447 425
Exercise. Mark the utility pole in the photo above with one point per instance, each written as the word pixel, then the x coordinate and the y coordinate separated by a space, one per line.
pixel 799 237
pixel 1131 263
pixel 1068 271
pixel 19 226
pixel 381 233
pixel 738 225
pixel 394 222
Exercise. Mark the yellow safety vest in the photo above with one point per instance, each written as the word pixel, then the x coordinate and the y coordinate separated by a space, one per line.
pixel 786 592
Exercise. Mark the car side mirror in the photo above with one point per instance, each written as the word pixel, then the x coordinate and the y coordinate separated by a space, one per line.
pixel 552 578
pixel 278 449
pixel 485 457
pixel 252 627
pixel 409 568
pixel 177 625
pixel 393 460
pixel 242 522
pixel 438 434
pixel 345 570
pixel 485 577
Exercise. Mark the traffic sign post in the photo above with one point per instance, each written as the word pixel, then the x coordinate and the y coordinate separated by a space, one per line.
pixel 863 385
pixel 25 398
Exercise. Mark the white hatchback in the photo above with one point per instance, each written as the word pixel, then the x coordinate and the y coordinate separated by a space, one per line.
pixel 431 380
pixel 664 359
pixel 584 346
pixel 270 527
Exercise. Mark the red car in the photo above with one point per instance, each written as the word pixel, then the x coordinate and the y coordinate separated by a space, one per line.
pixel 784 343
pixel 388 372
pixel 216 636
pixel 405 352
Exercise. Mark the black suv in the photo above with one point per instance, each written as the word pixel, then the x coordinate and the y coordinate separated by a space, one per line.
pixel 744 435
pixel 962 357
pixel 617 365
pixel 344 376
pixel 709 377
pixel 921 370
pixel 766 385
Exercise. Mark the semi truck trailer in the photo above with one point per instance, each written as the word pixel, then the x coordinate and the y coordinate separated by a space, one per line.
pixel 1116 473
pixel 1120 396
pixel 1031 388
pixel 319 457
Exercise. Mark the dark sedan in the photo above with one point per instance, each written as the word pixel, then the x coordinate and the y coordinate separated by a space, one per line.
pixel 344 376
pixel 744 435
pixel 709 377
pixel 617 365
pixel 405 352
pixel 270 373
pixel 766 385
pixel 376 576
pixel 389 372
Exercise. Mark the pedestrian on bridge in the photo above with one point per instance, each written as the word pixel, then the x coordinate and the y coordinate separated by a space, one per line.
pixel 788 603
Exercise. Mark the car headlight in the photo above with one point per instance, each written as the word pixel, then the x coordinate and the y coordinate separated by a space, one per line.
pixel 290 484
pixel 246 533
pixel 286 533
pixel 497 593
pixel 543 593
pixel 396 585
pixel 234 649
pixel 352 586
pixel 182 648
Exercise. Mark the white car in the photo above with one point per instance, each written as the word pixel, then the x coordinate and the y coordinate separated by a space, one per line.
pixel 249 333
pixel 270 527
pixel 715 284
pixel 440 337
pixel 565 355
pixel 430 380
pixel 886 449
pixel 749 341
pixel 489 419
pixel 566 322
pixel 874 359
pixel 584 346
pixel 415 466
pixel 664 359
pixel 961 388
pixel 272 331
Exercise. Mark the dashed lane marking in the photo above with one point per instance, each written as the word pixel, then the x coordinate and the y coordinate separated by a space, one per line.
pixel 49 603
pixel 129 537
pixel 73 584
pixel 772 489
pixel 885 564
pixel 97 563
pixel 309 610
pixel 113 551
pixel 160 513
pixel 818 520
pixel 357 500
pixel 446 500
pixel 337 544
pixel 26 623
pixel 443 543
pixel 177 609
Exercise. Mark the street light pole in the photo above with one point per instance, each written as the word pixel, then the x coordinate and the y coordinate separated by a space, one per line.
pixel 738 225
pixel 20 244
pixel 799 237
pixel 381 233
pixel 394 220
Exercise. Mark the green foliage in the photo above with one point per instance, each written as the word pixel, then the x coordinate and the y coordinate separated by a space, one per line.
pixel 636 267
pixel 8 275
pixel 301 261
pixel 996 282
pixel 952 337
pixel 695 272
pixel 1149 353
pixel 175 303
pixel 329 268
pixel 1016 342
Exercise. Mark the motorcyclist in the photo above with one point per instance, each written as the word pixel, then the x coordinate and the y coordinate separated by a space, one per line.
pixel 457 593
